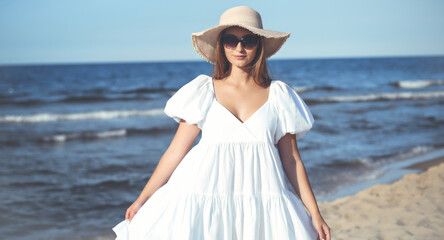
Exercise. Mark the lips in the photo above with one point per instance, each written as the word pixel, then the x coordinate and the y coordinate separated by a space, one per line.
pixel 239 56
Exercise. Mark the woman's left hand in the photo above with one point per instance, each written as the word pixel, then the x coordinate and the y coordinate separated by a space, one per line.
pixel 321 227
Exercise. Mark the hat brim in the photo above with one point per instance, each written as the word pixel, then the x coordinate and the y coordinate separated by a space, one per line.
pixel 205 42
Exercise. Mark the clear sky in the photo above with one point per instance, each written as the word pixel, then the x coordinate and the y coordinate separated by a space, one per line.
pixel 83 31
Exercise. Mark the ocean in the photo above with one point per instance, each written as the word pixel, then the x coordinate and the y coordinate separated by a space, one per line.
pixel 79 142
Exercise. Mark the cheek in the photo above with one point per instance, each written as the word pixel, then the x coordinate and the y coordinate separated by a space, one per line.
pixel 226 52
pixel 253 54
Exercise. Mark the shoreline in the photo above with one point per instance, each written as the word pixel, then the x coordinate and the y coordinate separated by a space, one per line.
pixel 424 166
pixel 391 173
pixel 410 208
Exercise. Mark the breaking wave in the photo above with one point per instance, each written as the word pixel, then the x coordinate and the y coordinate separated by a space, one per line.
pixel 381 97
pixel 85 135
pixel 418 83
pixel 63 137
pixel 97 115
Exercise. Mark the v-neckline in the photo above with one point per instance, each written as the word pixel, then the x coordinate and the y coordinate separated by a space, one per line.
pixel 231 113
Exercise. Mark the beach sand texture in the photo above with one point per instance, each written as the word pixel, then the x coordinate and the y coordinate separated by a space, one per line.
pixel 410 208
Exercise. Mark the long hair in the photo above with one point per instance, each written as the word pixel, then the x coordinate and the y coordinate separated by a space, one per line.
pixel 257 68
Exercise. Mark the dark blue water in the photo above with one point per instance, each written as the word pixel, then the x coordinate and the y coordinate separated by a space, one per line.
pixel 79 142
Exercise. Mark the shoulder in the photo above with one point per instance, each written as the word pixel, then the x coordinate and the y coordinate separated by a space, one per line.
pixel 283 92
pixel 201 81
pixel 197 89
pixel 287 100
pixel 281 87
pixel 191 101
pixel 293 114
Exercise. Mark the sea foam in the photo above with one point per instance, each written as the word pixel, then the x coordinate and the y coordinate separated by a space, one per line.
pixel 418 83
pixel 382 97
pixel 97 115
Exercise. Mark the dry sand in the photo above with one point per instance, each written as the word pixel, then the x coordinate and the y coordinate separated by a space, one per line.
pixel 410 208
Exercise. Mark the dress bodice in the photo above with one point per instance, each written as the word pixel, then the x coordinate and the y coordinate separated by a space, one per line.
pixel 284 111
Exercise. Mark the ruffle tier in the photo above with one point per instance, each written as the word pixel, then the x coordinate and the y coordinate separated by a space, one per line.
pixel 195 216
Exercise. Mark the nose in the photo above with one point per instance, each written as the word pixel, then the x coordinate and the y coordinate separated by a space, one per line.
pixel 239 47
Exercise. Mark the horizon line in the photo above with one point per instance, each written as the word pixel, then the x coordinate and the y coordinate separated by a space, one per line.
pixel 203 61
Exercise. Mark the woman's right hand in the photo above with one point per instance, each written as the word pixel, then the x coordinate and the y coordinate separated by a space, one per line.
pixel 133 209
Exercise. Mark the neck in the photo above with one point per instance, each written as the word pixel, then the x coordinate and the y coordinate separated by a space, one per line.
pixel 240 75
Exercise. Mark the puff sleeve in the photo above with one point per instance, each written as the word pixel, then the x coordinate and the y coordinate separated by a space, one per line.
pixel 293 114
pixel 191 102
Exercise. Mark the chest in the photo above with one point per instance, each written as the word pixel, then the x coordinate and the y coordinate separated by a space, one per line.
pixel 223 126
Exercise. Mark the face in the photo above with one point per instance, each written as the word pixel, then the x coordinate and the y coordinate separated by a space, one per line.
pixel 239 56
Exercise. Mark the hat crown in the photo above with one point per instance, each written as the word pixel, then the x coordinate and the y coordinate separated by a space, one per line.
pixel 241 15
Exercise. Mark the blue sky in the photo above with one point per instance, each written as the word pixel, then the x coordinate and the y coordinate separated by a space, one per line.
pixel 83 31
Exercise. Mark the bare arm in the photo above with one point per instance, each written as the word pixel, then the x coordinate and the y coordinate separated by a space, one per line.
pixel 184 138
pixel 295 170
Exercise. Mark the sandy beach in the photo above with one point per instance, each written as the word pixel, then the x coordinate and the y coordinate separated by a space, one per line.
pixel 410 208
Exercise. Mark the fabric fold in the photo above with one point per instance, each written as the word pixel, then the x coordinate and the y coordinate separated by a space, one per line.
pixel 121 230
pixel 294 116
pixel 238 216
pixel 191 102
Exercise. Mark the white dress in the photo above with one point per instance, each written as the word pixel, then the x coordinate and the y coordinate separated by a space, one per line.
pixel 231 185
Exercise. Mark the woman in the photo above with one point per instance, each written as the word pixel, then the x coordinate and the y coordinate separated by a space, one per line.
pixel 245 178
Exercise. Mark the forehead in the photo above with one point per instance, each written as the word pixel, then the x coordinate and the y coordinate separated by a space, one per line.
pixel 238 31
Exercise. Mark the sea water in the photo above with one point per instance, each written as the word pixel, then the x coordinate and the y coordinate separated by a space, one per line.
pixel 79 142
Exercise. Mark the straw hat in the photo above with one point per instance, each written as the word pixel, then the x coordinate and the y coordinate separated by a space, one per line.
pixel 242 16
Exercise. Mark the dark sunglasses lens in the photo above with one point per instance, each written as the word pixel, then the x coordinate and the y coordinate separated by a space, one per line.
pixel 250 41
pixel 229 41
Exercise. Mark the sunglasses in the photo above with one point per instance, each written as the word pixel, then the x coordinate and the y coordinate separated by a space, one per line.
pixel 248 41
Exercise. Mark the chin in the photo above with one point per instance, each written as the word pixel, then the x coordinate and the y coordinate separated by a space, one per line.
pixel 240 64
